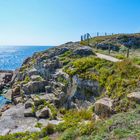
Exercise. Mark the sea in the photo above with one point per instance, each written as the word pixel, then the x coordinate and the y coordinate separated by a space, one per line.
pixel 12 57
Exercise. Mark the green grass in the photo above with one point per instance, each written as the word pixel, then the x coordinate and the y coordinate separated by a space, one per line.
pixel 136 60
pixel 73 117
pixel 120 126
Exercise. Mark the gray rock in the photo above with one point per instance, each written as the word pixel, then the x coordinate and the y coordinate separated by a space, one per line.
pixel 36 78
pixel 5 78
pixel 44 113
pixel 5 132
pixel 135 96
pixel 29 113
pixel 13 120
pixel 80 91
pixel 15 91
pixel 17 100
pixel 83 51
pixel 33 72
pixel 103 107
pixel 61 51
pixel 48 97
pixel 29 104
pixel 37 101
pixel 34 87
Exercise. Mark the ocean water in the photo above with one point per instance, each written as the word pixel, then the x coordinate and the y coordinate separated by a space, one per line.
pixel 12 57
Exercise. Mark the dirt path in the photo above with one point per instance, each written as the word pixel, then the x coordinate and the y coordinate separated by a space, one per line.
pixel 107 57
pixel 110 58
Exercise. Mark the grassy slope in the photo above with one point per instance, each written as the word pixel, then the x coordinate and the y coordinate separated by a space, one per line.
pixel 115 40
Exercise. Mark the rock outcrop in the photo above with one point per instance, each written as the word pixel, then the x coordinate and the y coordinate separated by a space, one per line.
pixel 54 80
pixel 34 87
pixel 29 104
pixel 29 112
pixel 5 78
pixel 44 113
pixel 104 107
pixel 83 51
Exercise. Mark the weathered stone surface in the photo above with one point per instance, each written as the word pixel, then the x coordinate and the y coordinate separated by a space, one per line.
pixel 17 100
pixel 36 78
pixel 33 72
pixel 16 91
pixel 80 91
pixel 34 87
pixel 83 51
pixel 48 97
pixel 29 113
pixel 135 96
pixel 28 104
pixel 8 94
pixel 103 107
pixel 52 64
pixel 5 78
pixel 61 51
pixel 37 101
pixel 13 121
pixel 44 113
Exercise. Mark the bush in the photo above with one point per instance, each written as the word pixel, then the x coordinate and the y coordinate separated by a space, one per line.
pixel 136 60
pixel 73 118
pixel 120 56
pixel 86 128
pixel 69 134
pixel 48 130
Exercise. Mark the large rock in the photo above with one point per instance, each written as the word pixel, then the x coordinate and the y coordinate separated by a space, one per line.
pixel 15 91
pixel 80 91
pixel 36 78
pixel 18 100
pixel 103 107
pixel 28 104
pixel 5 78
pixel 61 51
pixel 37 101
pixel 83 51
pixel 29 112
pixel 44 113
pixel 135 96
pixel 34 87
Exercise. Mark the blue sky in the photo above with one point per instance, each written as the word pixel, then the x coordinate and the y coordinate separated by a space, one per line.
pixel 52 22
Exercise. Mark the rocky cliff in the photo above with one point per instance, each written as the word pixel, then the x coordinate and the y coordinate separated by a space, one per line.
pixel 69 86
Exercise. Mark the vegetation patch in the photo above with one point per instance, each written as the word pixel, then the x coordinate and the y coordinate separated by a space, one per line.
pixel 118 79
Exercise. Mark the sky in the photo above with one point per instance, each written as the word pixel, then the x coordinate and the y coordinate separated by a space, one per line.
pixel 54 22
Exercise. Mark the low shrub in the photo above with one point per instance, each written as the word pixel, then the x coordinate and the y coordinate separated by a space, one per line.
pixel 69 134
